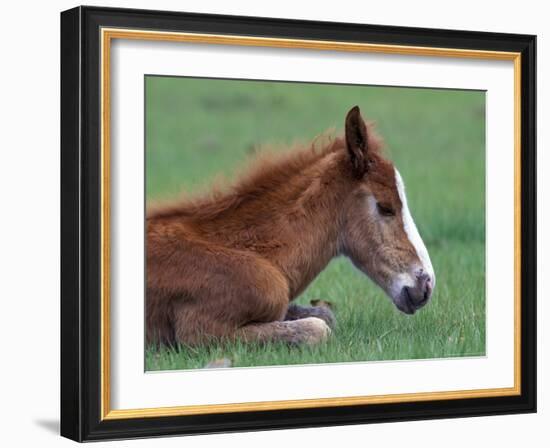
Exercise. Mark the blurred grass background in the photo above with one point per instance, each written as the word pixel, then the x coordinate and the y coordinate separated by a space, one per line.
pixel 199 129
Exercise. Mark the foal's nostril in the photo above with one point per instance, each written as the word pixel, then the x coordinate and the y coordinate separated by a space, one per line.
pixel 424 285
pixel 422 276
pixel 423 280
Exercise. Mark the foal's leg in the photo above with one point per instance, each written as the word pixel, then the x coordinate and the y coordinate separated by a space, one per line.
pixel 309 331
pixel 195 327
pixel 295 312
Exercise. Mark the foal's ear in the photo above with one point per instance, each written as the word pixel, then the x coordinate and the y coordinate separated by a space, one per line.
pixel 356 141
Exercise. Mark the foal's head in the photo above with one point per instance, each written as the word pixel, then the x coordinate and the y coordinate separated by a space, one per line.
pixel 379 234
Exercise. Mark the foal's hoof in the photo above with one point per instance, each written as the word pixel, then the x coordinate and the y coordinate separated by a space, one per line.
pixel 312 330
pixel 321 311
pixel 324 313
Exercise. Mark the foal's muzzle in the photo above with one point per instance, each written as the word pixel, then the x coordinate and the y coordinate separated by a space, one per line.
pixel 415 297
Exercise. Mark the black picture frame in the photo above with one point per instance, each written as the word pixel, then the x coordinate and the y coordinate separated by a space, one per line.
pixel 81 226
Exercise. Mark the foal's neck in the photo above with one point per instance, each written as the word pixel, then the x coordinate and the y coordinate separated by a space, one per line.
pixel 313 221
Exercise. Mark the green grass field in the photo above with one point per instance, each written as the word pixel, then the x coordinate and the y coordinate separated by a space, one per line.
pixel 198 130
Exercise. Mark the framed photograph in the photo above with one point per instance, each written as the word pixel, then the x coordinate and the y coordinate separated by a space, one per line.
pixel 273 223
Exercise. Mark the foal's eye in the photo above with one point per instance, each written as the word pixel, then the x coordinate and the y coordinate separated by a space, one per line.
pixel 385 209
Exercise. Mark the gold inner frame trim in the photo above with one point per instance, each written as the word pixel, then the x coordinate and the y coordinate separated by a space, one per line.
pixel 107 35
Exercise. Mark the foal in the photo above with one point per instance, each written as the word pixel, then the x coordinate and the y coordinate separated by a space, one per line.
pixel 228 266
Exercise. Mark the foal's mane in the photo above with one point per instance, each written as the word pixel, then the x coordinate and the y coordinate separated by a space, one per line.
pixel 263 174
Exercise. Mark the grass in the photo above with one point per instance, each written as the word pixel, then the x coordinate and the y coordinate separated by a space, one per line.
pixel 198 130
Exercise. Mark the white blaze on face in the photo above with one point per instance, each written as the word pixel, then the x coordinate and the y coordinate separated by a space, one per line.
pixel 412 231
